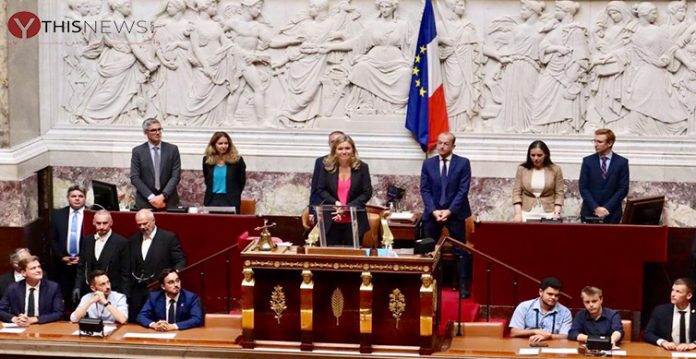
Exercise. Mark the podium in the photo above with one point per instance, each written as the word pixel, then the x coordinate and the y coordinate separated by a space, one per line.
pixel 338 298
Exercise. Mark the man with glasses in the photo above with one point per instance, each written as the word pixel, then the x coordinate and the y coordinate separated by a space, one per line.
pixel 173 308
pixel 155 169
pixel 542 318
pixel 604 179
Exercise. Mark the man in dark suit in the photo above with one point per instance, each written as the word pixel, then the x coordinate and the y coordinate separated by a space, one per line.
pixel 314 198
pixel 150 251
pixel 445 181
pixel 155 169
pixel 673 326
pixel 173 308
pixel 14 275
pixel 34 299
pixel 604 179
pixel 66 242
pixel 104 250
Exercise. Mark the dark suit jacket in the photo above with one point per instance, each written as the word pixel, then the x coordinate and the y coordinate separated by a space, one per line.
pixel 359 194
pixel 50 301
pixel 235 181
pixel 59 233
pixel 314 198
pixel 458 182
pixel 5 281
pixel 598 192
pixel 165 252
pixel 142 173
pixel 660 324
pixel 189 311
pixel 114 259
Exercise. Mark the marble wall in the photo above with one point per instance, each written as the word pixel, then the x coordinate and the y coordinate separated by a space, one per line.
pixel 4 106
pixel 19 201
pixel 288 193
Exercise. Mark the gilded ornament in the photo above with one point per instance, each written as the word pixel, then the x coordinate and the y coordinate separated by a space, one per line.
pixel 278 302
pixel 337 303
pixel 397 305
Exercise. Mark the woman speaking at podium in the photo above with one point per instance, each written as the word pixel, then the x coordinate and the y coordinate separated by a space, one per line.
pixel 538 191
pixel 345 181
pixel 224 172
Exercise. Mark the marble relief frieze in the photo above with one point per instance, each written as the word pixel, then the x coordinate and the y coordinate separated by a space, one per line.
pixel 527 67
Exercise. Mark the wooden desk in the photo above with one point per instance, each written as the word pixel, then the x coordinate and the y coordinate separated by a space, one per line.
pixel 483 347
pixel 324 297
pixel 404 230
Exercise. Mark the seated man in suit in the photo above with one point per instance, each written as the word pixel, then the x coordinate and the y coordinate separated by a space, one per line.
pixel 110 306
pixel 604 179
pixel 105 250
pixel 150 251
pixel 542 318
pixel 32 300
pixel 172 308
pixel 595 319
pixel 673 325
pixel 14 275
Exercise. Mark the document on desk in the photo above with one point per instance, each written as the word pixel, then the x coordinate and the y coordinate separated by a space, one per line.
pixel 683 355
pixel 528 351
pixel 559 350
pixel 150 335
pixel 617 353
pixel 108 329
pixel 12 328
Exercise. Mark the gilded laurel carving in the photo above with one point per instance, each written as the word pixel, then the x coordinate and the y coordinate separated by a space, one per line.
pixel 277 302
pixel 535 67
pixel 397 305
pixel 337 303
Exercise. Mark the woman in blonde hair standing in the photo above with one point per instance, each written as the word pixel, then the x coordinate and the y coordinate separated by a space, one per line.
pixel 224 172
pixel 345 181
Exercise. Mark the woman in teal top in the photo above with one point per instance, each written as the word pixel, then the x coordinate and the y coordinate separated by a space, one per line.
pixel 224 172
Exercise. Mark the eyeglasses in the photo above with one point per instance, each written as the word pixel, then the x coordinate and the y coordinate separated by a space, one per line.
pixel 155 130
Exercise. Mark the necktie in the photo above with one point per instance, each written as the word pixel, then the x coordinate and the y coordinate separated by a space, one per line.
pixel 682 327
pixel 30 303
pixel 172 313
pixel 604 167
pixel 72 239
pixel 157 167
pixel 443 183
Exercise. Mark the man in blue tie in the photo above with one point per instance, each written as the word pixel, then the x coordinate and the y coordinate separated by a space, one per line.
pixel 604 179
pixel 66 238
pixel 445 181
pixel 173 308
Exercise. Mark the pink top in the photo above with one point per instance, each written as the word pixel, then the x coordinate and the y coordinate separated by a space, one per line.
pixel 342 192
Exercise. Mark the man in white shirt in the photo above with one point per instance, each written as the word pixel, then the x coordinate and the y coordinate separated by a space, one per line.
pixel 32 300
pixel 673 325
pixel 110 306
pixel 172 308
pixel 14 275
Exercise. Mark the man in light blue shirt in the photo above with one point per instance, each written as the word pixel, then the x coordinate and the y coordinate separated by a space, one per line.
pixel 542 318
pixel 103 303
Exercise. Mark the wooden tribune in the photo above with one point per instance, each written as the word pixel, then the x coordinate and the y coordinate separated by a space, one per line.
pixel 346 299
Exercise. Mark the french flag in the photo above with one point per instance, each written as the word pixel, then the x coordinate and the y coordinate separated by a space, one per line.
pixel 426 116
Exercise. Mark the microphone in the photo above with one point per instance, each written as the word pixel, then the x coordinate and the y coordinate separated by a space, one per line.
pixel 98 206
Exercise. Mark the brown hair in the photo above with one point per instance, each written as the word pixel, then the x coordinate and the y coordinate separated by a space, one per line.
pixel 685 282
pixel 591 291
pixel 611 137
pixel 211 155
pixel 25 262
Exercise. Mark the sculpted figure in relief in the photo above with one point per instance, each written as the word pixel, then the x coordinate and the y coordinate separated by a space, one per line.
pixel 173 46
pixel 610 57
pixel 460 52
pixel 382 73
pixel 305 65
pixel 558 104
pixel 687 84
pixel 123 66
pixel 649 93
pixel 519 58
pixel 77 68
pixel 253 35
pixel 215 71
